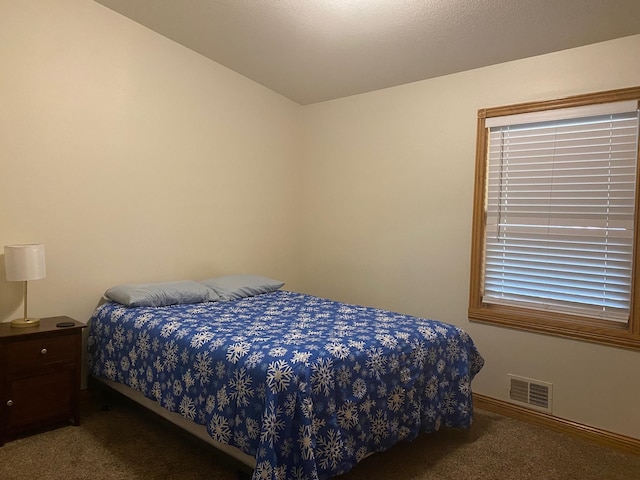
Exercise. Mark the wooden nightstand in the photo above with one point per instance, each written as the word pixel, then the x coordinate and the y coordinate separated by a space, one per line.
pixel 39 376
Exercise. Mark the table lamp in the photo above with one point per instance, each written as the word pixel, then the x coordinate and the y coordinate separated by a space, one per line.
pixel 23 263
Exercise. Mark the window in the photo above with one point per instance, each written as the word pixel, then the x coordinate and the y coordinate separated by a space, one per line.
pixel 556 218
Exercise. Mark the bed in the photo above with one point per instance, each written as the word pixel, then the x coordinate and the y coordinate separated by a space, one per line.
pixel 294 386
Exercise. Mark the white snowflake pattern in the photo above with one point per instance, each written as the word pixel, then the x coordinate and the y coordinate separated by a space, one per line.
pixel 169 402
pixel 252 428
pixel 322 377
pixel 379 426
pixel 118 337
pixel 464 387
pixel 453 350
pixel 236 351
pixel 278 352
pixel 396 399
pixel 387 340
pixel 241 440
pixel 187 408
pixel 431 390
pixel 133 355
pixel 143 345
pixel 301 357
pixel 376 362
pixel 348 415
pixel 177 387
pixel 359 388
pixel 210 404
pixel 405 375
pixel 361 453
pixel 133 380
pixel 241 390
pixel 343 376
pixel 290 404
pixel 419 354
pixel 201 338
pixel 223 398
pixel 330 449
pixel 202 366
pixel 305 441
pixel 442 330
pixel 279 375
pixel 156 391
pixel 141 320
pixel 450 402
pixel 280 472
pixel 221 370
pixel 272 423
pixel 169 328
pixel 285 447
pixel 254 359
pixel 170 356
pixel 428 333
pixel 263 471
pixel 358 345
pixel 219 428
pixel 337 349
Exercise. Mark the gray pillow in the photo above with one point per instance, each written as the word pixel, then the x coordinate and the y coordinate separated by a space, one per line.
pixel 160 294
pixel 231 287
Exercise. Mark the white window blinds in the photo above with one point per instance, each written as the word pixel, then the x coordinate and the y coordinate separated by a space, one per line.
pixel 560 210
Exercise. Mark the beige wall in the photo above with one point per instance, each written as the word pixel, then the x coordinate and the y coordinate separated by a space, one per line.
pixel 135 159
pixel 388 200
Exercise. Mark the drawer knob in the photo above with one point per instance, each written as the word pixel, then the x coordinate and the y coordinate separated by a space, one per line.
pixel 43 351
pixel 10 403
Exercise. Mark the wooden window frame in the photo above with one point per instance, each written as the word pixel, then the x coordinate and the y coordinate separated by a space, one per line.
pixel 558 324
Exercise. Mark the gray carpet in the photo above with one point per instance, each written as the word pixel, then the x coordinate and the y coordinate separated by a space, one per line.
pixel 127 442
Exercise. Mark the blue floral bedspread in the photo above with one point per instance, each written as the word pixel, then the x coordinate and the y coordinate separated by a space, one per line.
pixel 306 385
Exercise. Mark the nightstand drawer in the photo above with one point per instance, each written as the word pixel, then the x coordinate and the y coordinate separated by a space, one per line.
pixel 32 353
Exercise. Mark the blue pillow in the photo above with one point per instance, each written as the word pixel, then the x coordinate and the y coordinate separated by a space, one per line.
pixel 231 287
pixel 160 294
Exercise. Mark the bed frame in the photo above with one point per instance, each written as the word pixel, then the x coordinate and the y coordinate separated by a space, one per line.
pixel 243 463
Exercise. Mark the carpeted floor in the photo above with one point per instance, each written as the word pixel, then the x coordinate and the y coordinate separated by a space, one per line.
pixel 127 442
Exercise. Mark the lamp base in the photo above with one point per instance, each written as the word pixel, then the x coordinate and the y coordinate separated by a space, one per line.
pixel 25 322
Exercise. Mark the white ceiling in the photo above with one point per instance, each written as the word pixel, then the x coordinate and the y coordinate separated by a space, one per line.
pixel 316 50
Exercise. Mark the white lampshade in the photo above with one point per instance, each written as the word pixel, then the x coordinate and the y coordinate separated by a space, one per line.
pixel 24 262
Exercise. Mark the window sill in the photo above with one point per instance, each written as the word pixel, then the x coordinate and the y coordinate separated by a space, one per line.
pixel 539 322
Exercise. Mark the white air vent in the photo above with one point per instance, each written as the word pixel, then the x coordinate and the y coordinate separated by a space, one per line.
pixel 530 393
